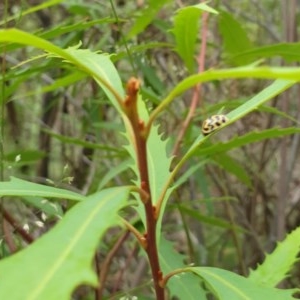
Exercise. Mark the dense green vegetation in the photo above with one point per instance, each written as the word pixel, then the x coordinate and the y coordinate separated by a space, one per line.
pixel 109 188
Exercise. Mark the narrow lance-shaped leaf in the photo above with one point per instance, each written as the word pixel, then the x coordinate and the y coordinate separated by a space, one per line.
pixel 288 51
pixel 146 17
pixel 234 38
pixel 100 66
pixel 58 262
pixel 228 285
pixel 96 65
pixel 243 72
pixel 32 9
pixel 232 166
pixel 209 220
pixel 186 31
pixel 248 138
pixel 186 28
pixel 266 94
pixel 19 187
pixel 159 165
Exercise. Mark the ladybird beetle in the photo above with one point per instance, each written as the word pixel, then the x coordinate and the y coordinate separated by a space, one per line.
pixel 212 123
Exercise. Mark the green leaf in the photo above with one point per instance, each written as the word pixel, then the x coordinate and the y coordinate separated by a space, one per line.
pixel 67 80
pixel 99 66
pixel 188 173
pixel 212 221
pixel 114 172
pixel 241 72
pixel 83 24
pixel 203 6
pixel 277 264
pixel 288 51
pixel 186 31
pixel 158 162
pixel 186 28
pixel 232 166
pixel 51 209
pixel 228 285
pixel 233 104
pixel 185 285
pixel 76 141
pixel 140 49
pixel 235 38
pixel 32 9
pixel 254 136
pixel 102 69
pixel 146 17
pixel 19 187
pixel 151 78
pixel 25 156
pixel 58 262
pixel 159 165
pixel 268 93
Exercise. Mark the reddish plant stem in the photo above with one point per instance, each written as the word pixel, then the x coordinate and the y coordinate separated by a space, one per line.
pixel 141 238
pixel 150 235
pixel 118 279
pixel 141 152
pixel 8 237
pixel 26 237
pixel 151 248
pixel 197 89
pixel 106 264
pixel 152 252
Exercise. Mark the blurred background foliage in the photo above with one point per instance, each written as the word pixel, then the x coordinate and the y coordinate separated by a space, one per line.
pixel 59 128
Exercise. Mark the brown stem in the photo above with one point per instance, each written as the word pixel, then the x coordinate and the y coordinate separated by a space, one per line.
pixel 165 280
pixel 8 237
pixel 118 278
pixel 105 266
pixel 27 237
pixel 137 234
pixel 152 252
pixel 138 128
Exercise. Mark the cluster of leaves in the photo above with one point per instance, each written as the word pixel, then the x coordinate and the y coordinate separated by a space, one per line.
pixel 67 250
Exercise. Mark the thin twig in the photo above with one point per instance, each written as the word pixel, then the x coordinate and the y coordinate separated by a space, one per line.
pixel 8 237
pixel 129 258
pixel 141 239
pixel 26 237
pixel 107 262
